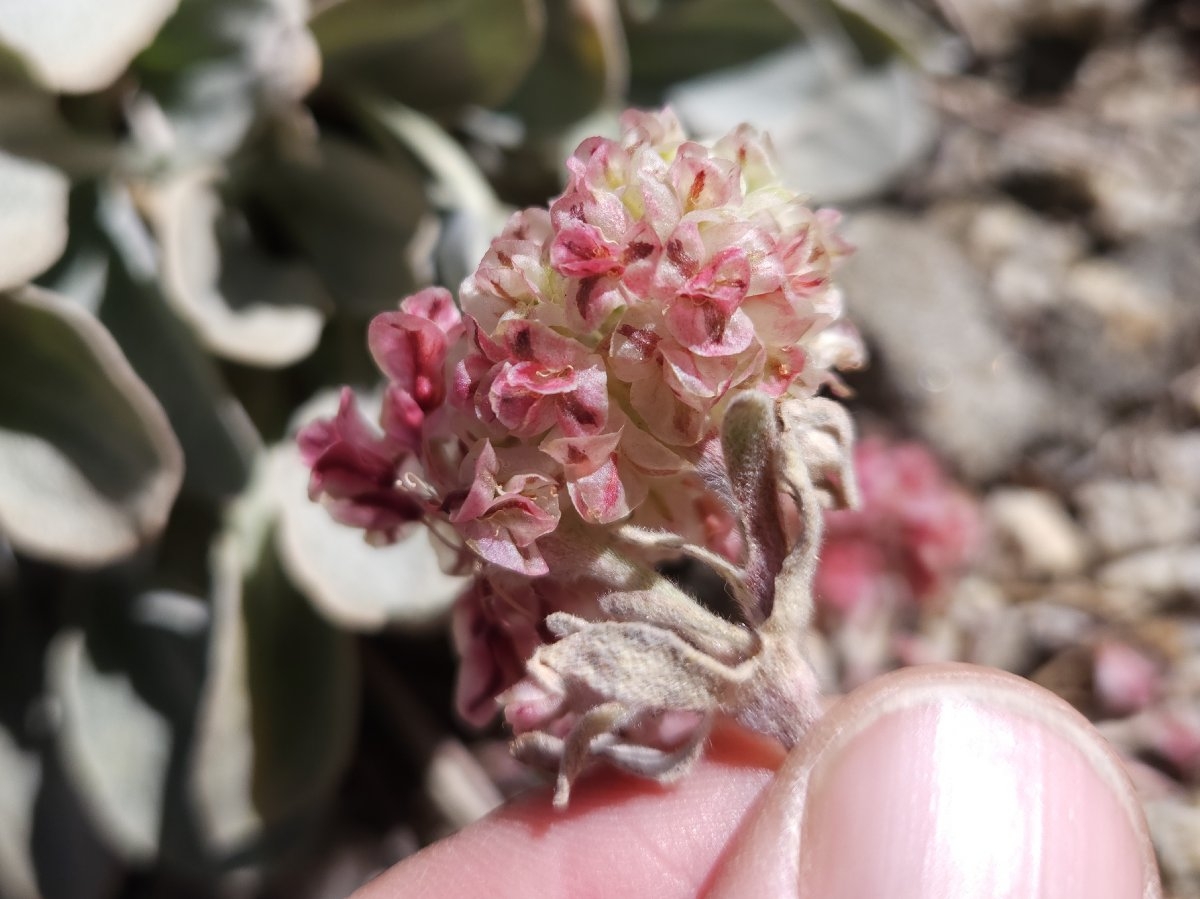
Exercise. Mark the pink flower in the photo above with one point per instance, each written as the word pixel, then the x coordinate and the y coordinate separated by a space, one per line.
pixel 354 471
pixel 1125 679
pixel 704 314
pixel 659 130
pixel 435 304
pixel 495 631
pixel 409 346
pixel 497 624
pixel 913 534
pixel 568 429
pixel 502 521
pixel 599 341
pixel 581 250
pixel 514 274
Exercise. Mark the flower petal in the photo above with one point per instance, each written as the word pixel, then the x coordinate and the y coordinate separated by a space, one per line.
pixel 411 351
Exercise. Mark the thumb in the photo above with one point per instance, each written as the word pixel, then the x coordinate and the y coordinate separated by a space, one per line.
pixel 946 781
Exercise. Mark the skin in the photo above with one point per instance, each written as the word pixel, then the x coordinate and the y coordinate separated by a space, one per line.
pixel 937 781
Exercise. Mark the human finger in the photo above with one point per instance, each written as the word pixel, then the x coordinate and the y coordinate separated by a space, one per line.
pixel 946 781
pixel 621 836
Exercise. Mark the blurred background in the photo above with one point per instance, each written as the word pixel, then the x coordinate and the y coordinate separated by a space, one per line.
pixel 209 689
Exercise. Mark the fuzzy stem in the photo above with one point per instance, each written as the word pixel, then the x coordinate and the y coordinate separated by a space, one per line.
pixel 782 698
pixel 793 608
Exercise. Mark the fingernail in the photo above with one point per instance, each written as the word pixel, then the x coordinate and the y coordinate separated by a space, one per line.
pixel 945 781
pixel 960 795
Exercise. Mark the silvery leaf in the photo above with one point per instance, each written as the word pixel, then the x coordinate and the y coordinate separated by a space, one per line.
pixel 89 466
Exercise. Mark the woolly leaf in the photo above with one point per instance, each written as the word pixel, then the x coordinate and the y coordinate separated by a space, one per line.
pixel 126 680
pixel 277 718
pixel 243 304
pixel 78 46
pixel 89 466
pixel 33 218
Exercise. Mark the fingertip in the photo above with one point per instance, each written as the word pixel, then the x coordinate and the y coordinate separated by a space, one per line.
pixel 947 780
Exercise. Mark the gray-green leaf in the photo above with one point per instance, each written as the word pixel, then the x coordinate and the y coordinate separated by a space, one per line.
pixel 670 40
pixel 218 65
pixel 18 790
pixel 584 63
pixel 436 55
pixel 125 680
pixel 89 466
pixel 33 218
pixel 115 746
pixel 21 644
pixel 110 269
pixel 473 214
pixel 357 220
pixel 244 305
pixel 277 719
pixel 77 46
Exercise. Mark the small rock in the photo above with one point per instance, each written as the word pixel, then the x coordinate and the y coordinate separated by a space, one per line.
pixel 1186 389
pixel 1111 604
pixel 1022 635
pixel 1134 313
pixel 1004 644
pixel 1036 535
pixel 922 306
pixel 1069 674
pixel 1109 335
pixel 975 603
pixel 995 27
pixel 1163 573
pixel 1056 626
pixel 1123 516
pixel 1170 730
pixel 1144 182
pixel 1175 831
pixel 938 640
pixel 1176 639
pixel 1024 255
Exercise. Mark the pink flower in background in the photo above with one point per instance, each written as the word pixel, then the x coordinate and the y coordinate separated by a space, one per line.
pixel 914 532
pixel 1125 679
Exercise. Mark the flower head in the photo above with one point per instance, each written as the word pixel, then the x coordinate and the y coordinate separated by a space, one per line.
pixel 572 424
pixel 600 341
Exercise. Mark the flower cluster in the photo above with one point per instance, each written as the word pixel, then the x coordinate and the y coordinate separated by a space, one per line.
pixel 914 532
pixel 598 343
